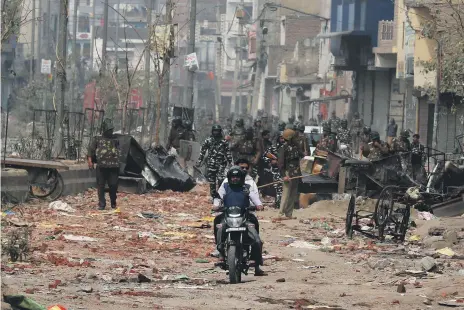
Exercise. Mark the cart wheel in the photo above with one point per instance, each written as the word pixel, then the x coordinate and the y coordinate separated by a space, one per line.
pixel 53 188
pixel 349 217
pixel 384 206
pixel 404 223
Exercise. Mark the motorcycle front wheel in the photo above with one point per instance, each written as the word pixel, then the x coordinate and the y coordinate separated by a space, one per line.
pixel 234 262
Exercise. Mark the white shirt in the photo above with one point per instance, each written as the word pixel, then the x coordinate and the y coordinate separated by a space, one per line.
pixel 254 193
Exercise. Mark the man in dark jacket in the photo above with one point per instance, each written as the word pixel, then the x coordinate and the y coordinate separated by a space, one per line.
pixel 392 130
pixel 105 151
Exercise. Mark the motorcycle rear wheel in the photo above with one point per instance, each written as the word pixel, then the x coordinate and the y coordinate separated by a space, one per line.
pixel 233 260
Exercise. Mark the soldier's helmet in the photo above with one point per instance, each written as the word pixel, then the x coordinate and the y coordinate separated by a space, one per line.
pixel 404 134
pixel 301 128
pixel 326 127
pixel 288 134
pixel 107 125
pixel 344 123
pixel 375 136
pixel 239 122
pixel 249 132
pixel 257 120
pixel 282 126
pixel 216 130
pixel 188 124
pixel 291 119
pixel 356 115
pixel 367 130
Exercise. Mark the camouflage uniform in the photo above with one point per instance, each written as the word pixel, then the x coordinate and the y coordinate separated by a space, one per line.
pixel 273 151
pixel 376 153
pixel 218 156
pixel 357 125
pixel 249 148
pixel 237 134
pixel 334 123
pixel 344 136
pixel 289 164
pixel 105 152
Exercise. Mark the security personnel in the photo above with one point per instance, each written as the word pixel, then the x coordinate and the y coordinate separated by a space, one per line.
pixel 270 157
pixel 105 151
pixel 175 135
pixel 377 149
pixel 364 140
pixel 401 144
pixel 291 123
pixel 237 134
pixel 250 148
pixel 357 125
pixel 289 164
pixel 217 153
pixel 327 143
pixel 302 140
pixel 188 133
pixel 334 122
pixel 344 134
pixel 418 158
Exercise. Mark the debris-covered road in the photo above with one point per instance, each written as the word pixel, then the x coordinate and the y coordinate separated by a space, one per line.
pixel 154 253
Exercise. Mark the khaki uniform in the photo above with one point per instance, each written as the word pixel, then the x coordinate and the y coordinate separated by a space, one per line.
pixel 289 164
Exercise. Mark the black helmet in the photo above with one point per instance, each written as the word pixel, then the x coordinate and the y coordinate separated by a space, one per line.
pixel 367 130
pixel 282 126
pixel 344 123
pixel 301 127
pixel 291 119
pixel 375 135
pixel 239 122
pixel 405 134
pixel 258 120
pixel 356 115
pixel 216 130
pixel 236 176
pixel 177 120
pixel 188 124
pixel 107 125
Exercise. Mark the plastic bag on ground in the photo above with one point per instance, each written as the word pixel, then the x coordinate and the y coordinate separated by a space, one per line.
pixel 61 206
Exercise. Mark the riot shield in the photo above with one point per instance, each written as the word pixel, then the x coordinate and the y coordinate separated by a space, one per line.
pixel 189 151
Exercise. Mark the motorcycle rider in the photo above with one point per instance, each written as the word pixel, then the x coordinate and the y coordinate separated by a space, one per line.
pixel 217 159
pixel 236 192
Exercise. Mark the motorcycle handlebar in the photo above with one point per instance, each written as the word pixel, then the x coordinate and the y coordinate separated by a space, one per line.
pixel 221 209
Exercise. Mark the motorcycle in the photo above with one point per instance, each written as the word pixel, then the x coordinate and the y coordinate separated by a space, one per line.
pixel 237 243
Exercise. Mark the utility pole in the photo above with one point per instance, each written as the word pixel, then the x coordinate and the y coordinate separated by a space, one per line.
pixel 217 63
pixel 166 71
pixel 259 71
pixel 146 95
pixel 105 38
pixel 48 50
pixel 61 73
pixel 240 83
pixel 437 103
pixel 116 48
pixel 74 52
pixel 93 33
pixel 238 61
pixel 188 91
pixel 39 37
pixel 31 65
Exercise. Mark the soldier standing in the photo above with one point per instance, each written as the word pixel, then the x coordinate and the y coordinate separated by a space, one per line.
pixel 301 139
pixel 105 152
pixel 418 159
pixel 356 130
pixel 291 123
pixel 377 150
pixel 249 148
pixel 327 143
pixel 289 165
pixel 217 153
pixel 392 130
pixel 364 140
pixel 270 157
pixel 238 133
pixel 344 134
pixel 334 123
pixel 402 147
pixel 175 135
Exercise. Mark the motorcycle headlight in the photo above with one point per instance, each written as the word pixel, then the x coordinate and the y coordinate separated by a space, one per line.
pixel 234 221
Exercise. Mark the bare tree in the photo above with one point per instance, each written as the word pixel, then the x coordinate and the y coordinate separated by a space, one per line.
pixel 14 15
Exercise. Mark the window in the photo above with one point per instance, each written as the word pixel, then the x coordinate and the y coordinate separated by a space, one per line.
pixel 351 16
pixel 83 24
pixel 339 20
pixel 362 25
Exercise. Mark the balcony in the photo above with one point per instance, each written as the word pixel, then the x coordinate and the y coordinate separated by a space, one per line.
pixel 386 37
